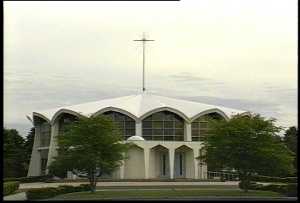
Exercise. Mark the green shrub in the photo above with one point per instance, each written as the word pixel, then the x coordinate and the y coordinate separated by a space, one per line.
pixel 274 179
pixel 45 193
pixel 85 187
pixel 292 190
pixel 10 187
pixel 280 188
pixel 251 185
pixel 41 193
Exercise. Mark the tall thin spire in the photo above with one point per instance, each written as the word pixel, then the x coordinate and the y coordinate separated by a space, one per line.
pixel 144 40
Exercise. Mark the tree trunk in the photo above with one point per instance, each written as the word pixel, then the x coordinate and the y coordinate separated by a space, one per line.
pixel 245 181
pixel 92 179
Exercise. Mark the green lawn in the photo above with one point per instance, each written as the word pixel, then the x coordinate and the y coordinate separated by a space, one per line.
pixel 163 193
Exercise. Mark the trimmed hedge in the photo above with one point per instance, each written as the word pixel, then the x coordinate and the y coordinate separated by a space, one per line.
pixel 10 187
pixel 290 189
pixel 274 179
pixel 31 179
pixel 48 192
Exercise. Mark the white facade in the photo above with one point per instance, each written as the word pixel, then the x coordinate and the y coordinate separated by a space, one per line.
pixel 164 148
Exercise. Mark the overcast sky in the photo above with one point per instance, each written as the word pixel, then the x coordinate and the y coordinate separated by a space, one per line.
pixel 240 54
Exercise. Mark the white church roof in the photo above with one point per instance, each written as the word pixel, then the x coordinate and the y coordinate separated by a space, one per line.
pixel 139 106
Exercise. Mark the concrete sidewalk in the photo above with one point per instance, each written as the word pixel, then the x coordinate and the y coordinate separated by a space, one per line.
pixel 109 184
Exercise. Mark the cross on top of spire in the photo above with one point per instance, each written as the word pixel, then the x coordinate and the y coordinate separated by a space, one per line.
pixel 144 40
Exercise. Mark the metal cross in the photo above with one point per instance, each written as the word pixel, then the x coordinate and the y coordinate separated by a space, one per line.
pixel 144 40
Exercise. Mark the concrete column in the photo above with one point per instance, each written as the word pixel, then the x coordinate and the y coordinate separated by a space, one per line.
pixel 204 171
pixel 53 144
pixel 196 163
pixel 122 170
pixel 35 160
pixel 146 160
pixel 171 162
pixel 188 131
pixel 138 128
pixel 203 167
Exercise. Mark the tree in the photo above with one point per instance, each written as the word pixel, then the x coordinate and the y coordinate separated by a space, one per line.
pixel 249 145
pixel 291 140
pixel 28 146
pixel 13 154
pixel 87 145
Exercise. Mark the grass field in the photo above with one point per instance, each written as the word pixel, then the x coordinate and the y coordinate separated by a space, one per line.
pixel 164 193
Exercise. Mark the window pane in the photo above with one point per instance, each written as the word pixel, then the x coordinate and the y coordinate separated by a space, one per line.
pixel 147 124
pixel 119 117
pixel 195 133
pixel 169 117
pixel 147 137
pixel 178 131
pixel 168 138
pixel 149 118
pixel 168 124
pixel 178 138
pixel 158 116
pixel 158 124
pixel 127 118
pixel 169 131
pixel 130 132
pixel 130 124
pixel 203 125
pixel 157 132
pixel 158 138
pixel 203 132
pixel 177 118
pixel 147 132
pixel 195 138
pixel 178 124
pixel 195 124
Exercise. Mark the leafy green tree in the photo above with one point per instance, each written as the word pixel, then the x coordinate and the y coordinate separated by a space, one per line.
pixel 291 140
pixel 13 154
pixel 28 144
pixel 87 145
pixel 249 145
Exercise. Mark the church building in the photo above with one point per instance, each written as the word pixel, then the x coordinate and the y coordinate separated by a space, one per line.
pixel 167 132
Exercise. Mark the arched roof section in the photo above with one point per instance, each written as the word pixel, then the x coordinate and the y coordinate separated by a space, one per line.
pixel 66 111
pixel 119 110
pixel 156 110
pixel 162 146
pixel 41 116
pixel 247 113
pixel 183 146
pixel 215 110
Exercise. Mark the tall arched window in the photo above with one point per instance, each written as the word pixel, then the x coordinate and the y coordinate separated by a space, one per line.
pixel 163 125
pixel 200 126
pixel 45 134
pixel 125 123
pixel 45 131
pixel 64 120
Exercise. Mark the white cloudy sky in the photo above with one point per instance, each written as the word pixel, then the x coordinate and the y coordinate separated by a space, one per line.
pixel 240 54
